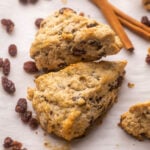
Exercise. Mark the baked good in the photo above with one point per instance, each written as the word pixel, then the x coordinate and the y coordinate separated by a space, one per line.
pixel 65 38
pixel 146 4
pixel 137 121
pixel 67 102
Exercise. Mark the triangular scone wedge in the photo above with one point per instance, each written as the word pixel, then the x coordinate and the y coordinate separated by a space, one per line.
pixel 67 102
pixel 65 38
pixel 137 121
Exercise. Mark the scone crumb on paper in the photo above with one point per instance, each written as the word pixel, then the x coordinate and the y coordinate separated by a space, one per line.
pixel 131 85
pixel 64 1
pixel 65 146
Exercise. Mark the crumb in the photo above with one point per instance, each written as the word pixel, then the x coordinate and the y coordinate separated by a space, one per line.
pixel 64 1
pixel 81 14
pixel 131 85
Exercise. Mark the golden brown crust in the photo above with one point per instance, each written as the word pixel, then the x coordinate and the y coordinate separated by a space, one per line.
pixel 137 121
pixel 68 101
pixel 66 37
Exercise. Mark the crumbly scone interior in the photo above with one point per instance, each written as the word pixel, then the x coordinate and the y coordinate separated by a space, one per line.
pixel 68 107
pixel 137 121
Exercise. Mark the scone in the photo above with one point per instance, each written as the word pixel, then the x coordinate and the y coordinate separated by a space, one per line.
pixel 146 4
pixel 67 102
pixel 137 120
pixel 65 38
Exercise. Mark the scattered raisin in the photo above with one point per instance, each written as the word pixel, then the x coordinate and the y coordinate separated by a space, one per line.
pixel 25 117
pixel 8 24
pixel 38 22
pixel 147 59
pixel 17 145
pixel 145 21
pixel 1 62
pixel 23 1
pixel 33 123
pixel 12 50
pixel 8 142
pixel 6 67
pixel 33 1
pixel 21 106
pixel 30 67
pixel 8 85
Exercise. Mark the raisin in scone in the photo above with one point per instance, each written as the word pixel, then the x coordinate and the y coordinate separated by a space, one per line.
pixel 69 101
pixel 137 120
pixel 146 4
pixel 65 38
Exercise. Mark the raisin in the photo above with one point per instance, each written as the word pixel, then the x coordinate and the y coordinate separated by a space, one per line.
pixel 33 1
pixel 145 21
pixel 12 50
pixel 17 145
pixel 21 106
pixel 24 2
pixel 147 59
pixel 92 25
pixel 78 52
pixel 8 85
pixel 25 117
pixel 61 11
pixel 95 43
pixel 38 22
pixel 9 25
pixel 1 62
pixel 62 65
pixel 30 67
pixel 8 142
pixel 6 67
pixel 33 123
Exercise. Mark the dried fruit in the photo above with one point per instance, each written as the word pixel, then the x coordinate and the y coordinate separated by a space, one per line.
pixel 6 67
pixel 147 59
pixel 30 67
pixel 9 25
pixel 25 117
pixel 8 85
pixel 33 123
pixel 21 106
pixel 1 62
pixel 33 1
pixel 38 22
pixel 12 50
pixel 23 1
pixel 145 21
pixel 8 142
pixel 17 145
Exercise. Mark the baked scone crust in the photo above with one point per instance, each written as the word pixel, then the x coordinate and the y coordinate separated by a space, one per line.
pixel 65 38
pixel 69 101
pixel 137 120
pixel 146 4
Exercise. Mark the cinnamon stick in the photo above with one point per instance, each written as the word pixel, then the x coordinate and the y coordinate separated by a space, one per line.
pixel 114 22
pixel 129 19
pixel 134 28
